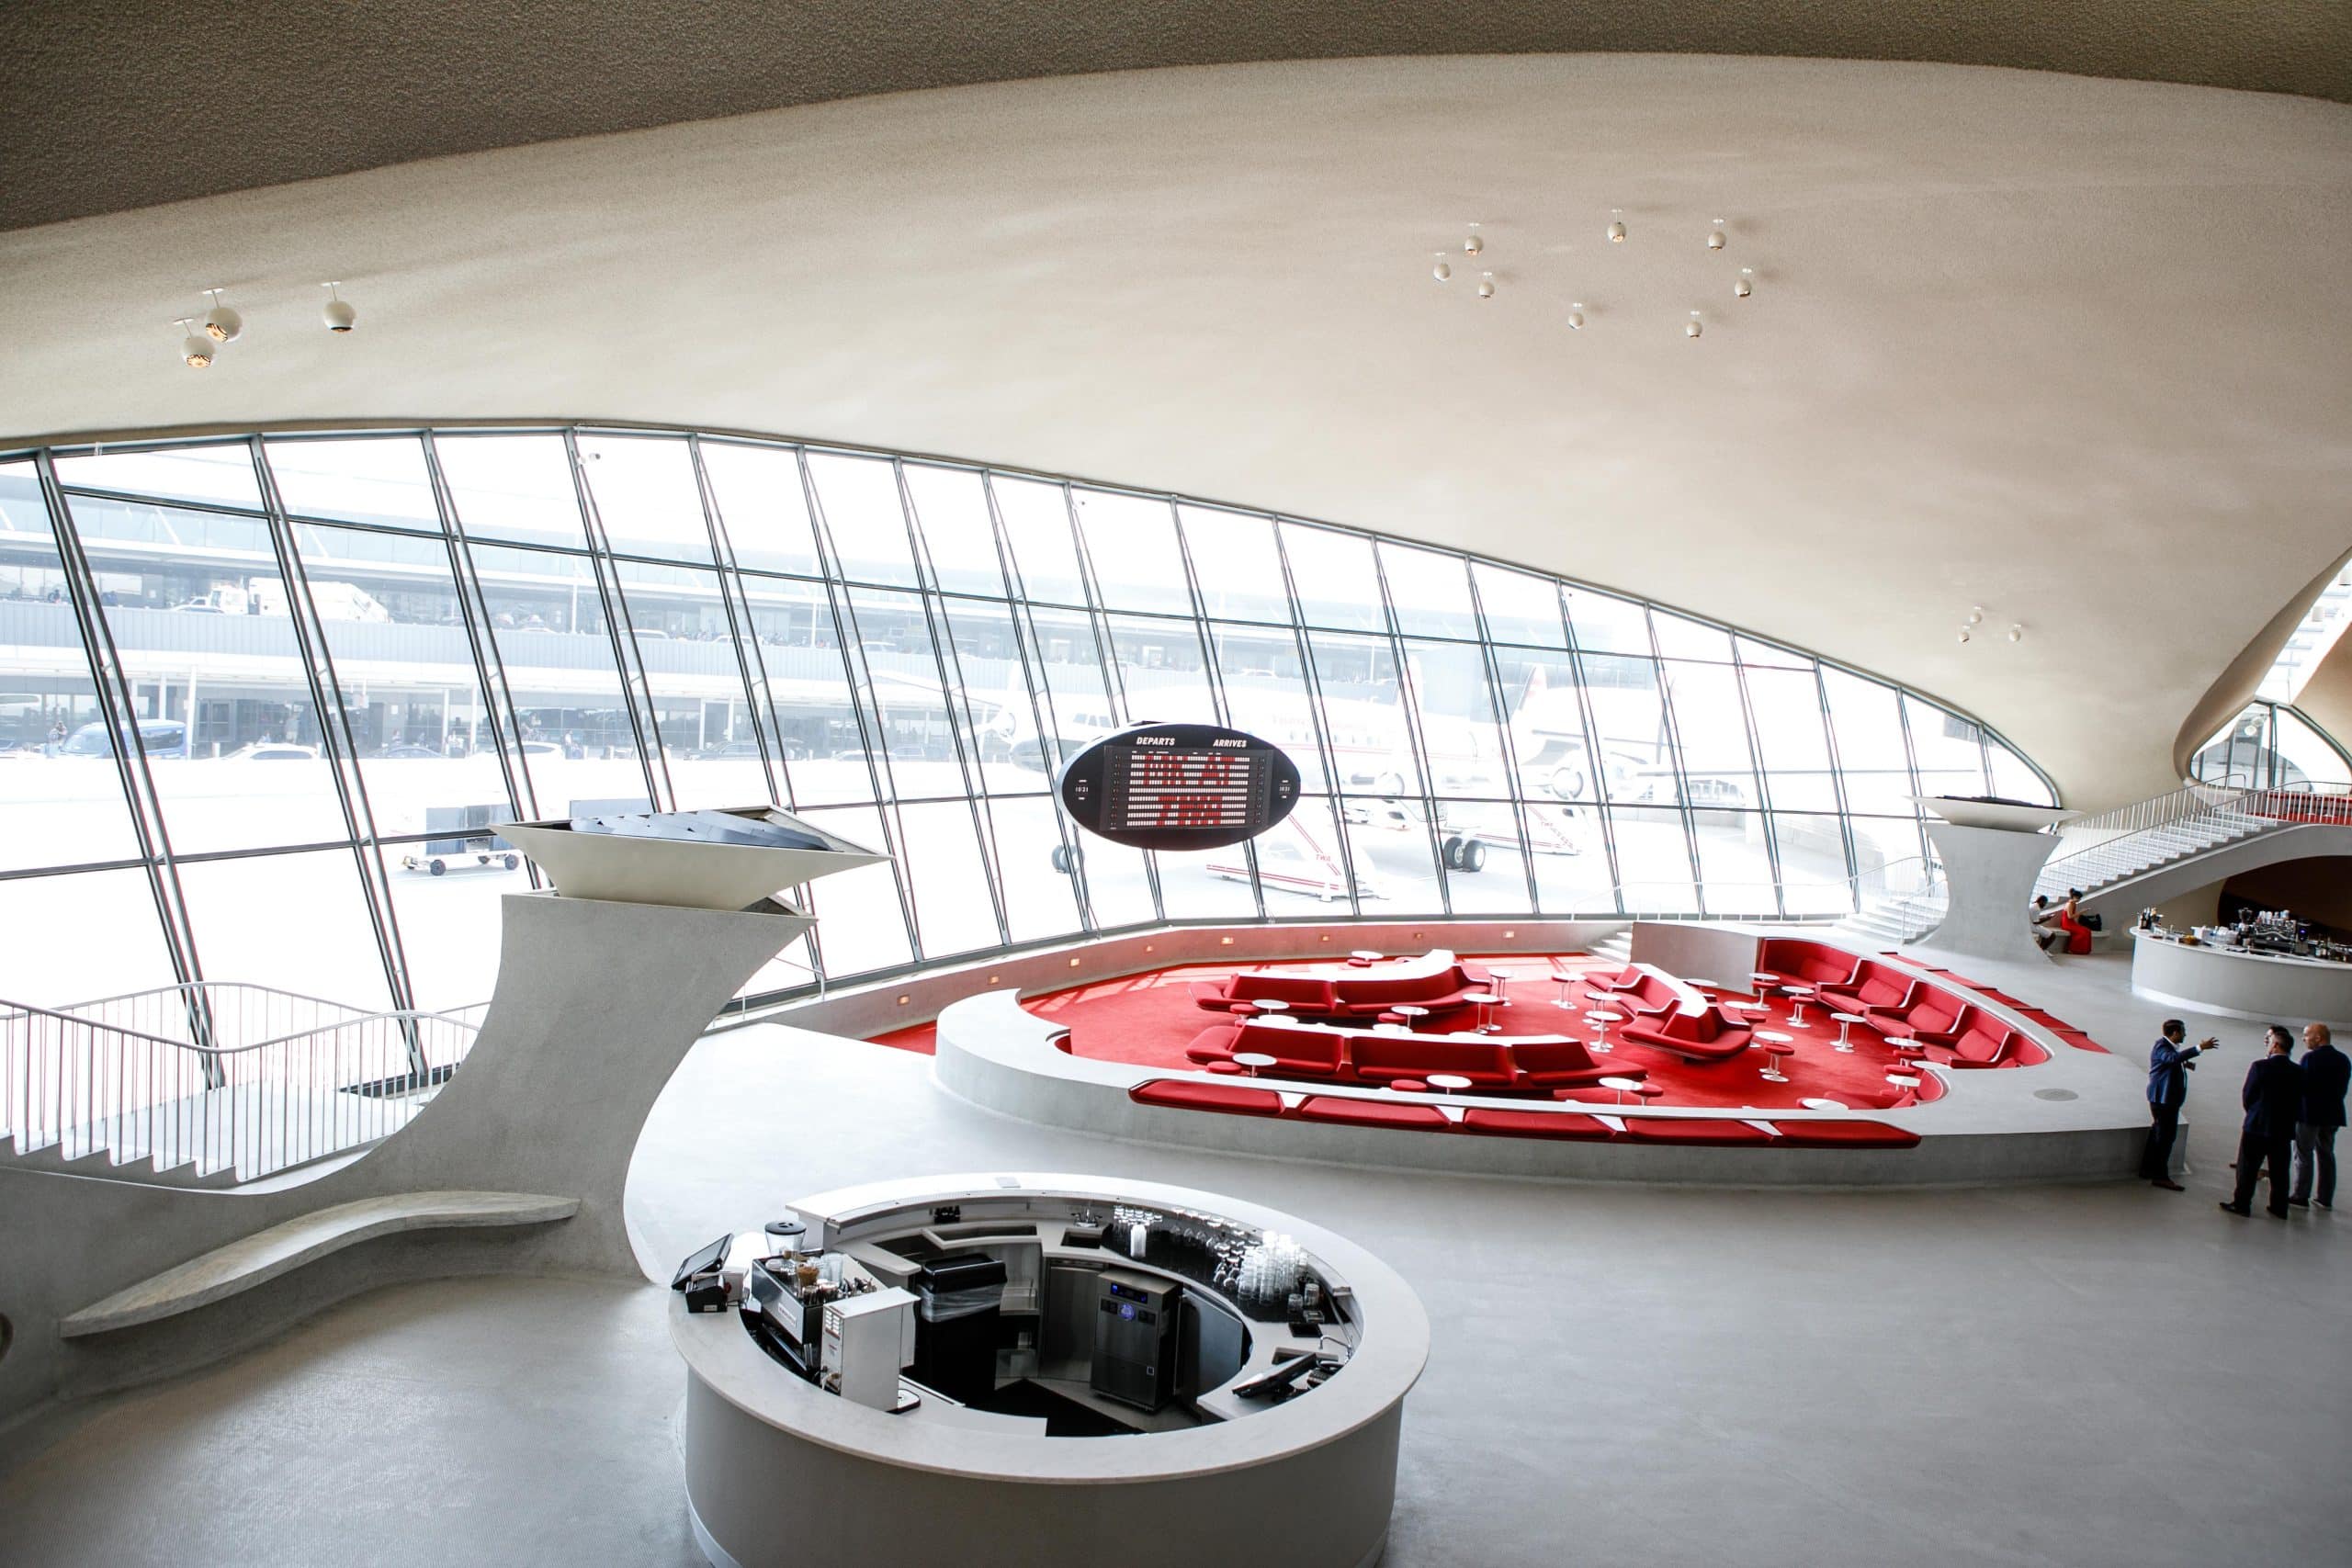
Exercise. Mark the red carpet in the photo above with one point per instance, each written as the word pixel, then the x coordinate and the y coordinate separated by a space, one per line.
pixel 1150 1019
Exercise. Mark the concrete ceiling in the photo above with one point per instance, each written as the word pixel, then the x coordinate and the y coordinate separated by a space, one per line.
pixel 112 106
pixel 2076 351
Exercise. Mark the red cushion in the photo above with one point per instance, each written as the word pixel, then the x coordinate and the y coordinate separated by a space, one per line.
pixel 1534 1124
pixel 1692 1130
pixel 1235 1099
pixel 1403 1114
pixel 1844 1135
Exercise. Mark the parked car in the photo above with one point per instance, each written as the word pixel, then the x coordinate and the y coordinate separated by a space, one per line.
pixel 157 738
pixel 408 751
pixel 273 751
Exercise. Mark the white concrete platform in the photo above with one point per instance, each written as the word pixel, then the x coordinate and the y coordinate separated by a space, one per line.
pixel 263 1255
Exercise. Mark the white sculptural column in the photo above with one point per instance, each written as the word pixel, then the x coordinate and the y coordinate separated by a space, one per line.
pixel 1991 855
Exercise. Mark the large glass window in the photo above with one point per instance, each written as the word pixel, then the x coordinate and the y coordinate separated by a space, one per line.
pixel 908 650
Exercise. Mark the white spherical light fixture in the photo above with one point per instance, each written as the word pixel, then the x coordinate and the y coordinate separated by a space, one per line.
pixel 1616 225
pixel 221 324
pixel 195 349
pixel 338 314
pixel 1692 327
pixel 1715 236
pixel 1576 317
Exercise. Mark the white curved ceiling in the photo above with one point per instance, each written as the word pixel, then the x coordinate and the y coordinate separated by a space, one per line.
pixel 2073 350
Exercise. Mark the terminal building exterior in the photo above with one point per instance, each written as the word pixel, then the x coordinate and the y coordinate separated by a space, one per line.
pixel 551 580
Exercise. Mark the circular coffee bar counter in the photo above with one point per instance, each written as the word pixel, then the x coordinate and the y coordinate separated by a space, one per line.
pixel 2261 987
pixel 1113 1400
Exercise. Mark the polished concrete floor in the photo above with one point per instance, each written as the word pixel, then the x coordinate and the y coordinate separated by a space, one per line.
pixel 2078 1375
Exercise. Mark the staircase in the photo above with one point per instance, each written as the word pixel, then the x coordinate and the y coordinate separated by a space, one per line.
pixel 2134 839
pixel 1893 920
pixel 212 1084
pixel 1617 948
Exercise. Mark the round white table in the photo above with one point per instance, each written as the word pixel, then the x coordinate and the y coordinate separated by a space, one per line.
pixel 1622 1086
pixel 1446 1083
pixel 1846 1022
pixel 1770 1074
pixel 1366 956
pixel 1409 1012
pixel 1600 1019
pixel 1483 1001
pixel 1902 1080
pixel 1250 1061
pixel 1798 996
pixel 1272 1006
pixel 1819 1102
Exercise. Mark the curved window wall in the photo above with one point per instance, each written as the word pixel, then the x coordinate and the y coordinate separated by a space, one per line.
pixel 263 702
pixel 2272 745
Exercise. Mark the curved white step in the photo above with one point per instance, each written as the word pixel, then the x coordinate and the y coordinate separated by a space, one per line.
pixel 265 1254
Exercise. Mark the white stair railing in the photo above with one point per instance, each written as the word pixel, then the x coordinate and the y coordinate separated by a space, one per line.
pixel 120 1077
pixel 2144 834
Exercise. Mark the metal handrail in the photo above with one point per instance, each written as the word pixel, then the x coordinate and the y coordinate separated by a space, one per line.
pixel 90 1083
pixel 2283 805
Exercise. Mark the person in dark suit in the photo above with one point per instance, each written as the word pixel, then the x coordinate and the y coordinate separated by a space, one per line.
pixel 2326 1072
pixel 2274 1103
pixel 2168 1070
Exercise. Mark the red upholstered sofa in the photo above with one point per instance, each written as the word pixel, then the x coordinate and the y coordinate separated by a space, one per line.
pixel 1875 987
pixel 1303 995
pixel 1708 1036
pixel 1568 1124
pixel 1650 997
pixel 1505 1066
pixel 1987 1043
pixel 1935 1017
pixel 1633 976
pixel 1562 1064
pixel 1297 1053
pixel 1368 995
pixel 1384 1058
pixel 1806 962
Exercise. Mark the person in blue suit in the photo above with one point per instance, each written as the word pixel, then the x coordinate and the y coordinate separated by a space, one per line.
pixel 2326 1072
pixel 2168 1070
pixel 2273 1098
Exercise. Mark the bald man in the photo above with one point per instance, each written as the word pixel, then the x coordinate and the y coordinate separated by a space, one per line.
pixel 2325 1071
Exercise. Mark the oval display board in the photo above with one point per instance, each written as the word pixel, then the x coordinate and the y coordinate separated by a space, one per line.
pixel 1179 786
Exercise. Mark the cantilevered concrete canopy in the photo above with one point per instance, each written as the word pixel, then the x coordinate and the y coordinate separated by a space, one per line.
pixel 2073 350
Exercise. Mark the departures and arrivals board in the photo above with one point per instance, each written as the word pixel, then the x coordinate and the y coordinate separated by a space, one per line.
pixel 1179 786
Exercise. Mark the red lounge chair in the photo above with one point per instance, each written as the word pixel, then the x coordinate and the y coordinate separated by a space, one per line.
pixel 1562 1064
pixel 1704 1036
pixel 1404 1115
pixel 1234 1099
pixel 1383 1058
pixel 1875 988
pixel 1692 1130
pixel 1534 1124
pixel 1805 963
pixel 1844 1136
